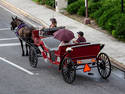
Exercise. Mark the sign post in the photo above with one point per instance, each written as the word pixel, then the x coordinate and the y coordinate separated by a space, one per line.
pixel 86 20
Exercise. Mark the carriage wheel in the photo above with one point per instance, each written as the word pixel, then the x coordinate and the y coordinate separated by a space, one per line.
pixel 104 65
pixel 68 70
pixel 33 59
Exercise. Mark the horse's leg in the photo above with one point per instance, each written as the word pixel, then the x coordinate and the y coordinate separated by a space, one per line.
pixel 22 47
pixel 27 49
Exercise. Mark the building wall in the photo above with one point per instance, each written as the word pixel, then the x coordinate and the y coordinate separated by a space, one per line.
pixel 60 5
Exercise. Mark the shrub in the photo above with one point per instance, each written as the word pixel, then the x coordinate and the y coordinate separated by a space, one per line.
pixel 40 1
pixel 107 15
pixel 73 8
pixel 120 29
pixel 50 3
pixel 81 11
pixel 71 1
pixel 94 7
pixel 99 12
pixel 95 0
pixel 112 22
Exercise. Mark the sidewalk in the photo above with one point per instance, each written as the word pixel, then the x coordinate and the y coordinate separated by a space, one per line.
pixel 113 48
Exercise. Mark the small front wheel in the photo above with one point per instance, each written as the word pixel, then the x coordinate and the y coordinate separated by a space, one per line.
pixel 68 70
pixel 104 65
pixel 33 58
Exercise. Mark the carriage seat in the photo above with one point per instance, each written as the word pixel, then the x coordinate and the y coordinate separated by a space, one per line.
pixel 52 29
pixel 51 43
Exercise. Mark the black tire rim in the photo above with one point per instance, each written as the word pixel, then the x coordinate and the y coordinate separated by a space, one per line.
pixel 68 71
pixel 104 65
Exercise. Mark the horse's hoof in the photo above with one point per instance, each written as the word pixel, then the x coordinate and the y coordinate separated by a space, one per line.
pixel 23 54
pixel 27 54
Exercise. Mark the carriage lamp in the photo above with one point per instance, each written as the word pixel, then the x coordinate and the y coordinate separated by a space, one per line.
pixel 79 62
pixel 93 60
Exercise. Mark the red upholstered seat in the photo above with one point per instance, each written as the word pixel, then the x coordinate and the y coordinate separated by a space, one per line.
pixel 83 50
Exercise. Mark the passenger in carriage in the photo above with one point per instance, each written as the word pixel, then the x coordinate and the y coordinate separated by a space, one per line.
pixel 81 37
pixel 53 23
pixel 64 43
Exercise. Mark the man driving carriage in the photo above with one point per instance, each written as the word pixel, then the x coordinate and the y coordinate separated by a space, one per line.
pixel 53 23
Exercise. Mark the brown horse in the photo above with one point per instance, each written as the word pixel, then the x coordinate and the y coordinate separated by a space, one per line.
pixel 23 31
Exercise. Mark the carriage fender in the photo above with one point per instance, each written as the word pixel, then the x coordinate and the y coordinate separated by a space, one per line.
pixel 62 58
pixel 101 46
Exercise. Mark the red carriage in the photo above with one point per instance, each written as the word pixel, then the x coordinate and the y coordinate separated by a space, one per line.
pixel 69 57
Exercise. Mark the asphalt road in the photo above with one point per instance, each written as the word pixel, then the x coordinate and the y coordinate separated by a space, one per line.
pixel 45 79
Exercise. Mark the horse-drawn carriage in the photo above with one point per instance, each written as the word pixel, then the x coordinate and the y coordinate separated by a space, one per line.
pixel 68 57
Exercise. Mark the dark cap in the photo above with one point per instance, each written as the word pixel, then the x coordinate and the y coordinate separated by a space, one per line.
pixel 80 33
pixel 53 20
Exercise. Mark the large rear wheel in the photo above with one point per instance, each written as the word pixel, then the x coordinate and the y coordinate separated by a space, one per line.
pixel 104 65
pixel 68 70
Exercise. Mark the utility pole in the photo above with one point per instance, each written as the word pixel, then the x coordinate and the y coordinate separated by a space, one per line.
pixel 86 20
pixel 122 5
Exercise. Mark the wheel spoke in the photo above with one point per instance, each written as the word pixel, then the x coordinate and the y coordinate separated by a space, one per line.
pixel 33 57
pixel 68 71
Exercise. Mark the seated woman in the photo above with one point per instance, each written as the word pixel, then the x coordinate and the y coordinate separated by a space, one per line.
pixel 80 37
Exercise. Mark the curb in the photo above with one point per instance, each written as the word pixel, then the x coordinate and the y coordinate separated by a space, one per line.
pixel 20 11
pixel 117 64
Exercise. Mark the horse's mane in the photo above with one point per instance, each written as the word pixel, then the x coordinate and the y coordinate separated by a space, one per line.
pixel 20 20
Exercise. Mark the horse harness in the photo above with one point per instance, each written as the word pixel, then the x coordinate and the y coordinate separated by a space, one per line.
pixel 19 27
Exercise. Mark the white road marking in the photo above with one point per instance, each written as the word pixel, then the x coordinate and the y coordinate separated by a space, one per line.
pixel 8 39
pixel 17 66
pixel 9 44
pixel 2 29
pixel 7 10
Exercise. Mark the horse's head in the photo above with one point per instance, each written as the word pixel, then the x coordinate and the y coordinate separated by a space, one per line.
pixel 15 23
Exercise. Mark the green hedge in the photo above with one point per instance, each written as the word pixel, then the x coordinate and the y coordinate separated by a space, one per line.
pixel 73 8
pixel 111 24
pixel 120 29
pixel 107 14
pixel 50 3
pixel 71 1
pixel 47 2
pixel 81 11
